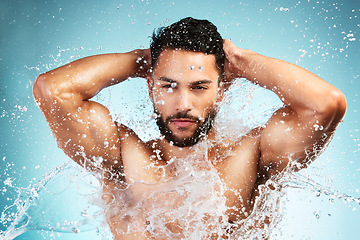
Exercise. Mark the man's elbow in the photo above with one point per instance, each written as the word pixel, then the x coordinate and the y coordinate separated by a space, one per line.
pixel 339 105
pixel 41 89
pixel 335 108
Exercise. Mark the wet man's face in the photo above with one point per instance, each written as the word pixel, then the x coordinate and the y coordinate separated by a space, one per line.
pixel 184 90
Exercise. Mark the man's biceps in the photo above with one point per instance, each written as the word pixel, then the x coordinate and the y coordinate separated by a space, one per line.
pixel 282 138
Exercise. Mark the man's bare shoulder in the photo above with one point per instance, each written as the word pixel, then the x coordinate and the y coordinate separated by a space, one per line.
pixel 238 158
pixel 233 146
pixel 137 156
pixel 129 137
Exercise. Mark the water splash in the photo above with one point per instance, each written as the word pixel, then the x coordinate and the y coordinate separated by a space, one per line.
pixel 188 206
pixel 296 180
pixel 195 196
pixel 45 205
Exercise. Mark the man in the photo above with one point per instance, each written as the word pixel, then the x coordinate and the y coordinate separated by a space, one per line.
pixel 189 69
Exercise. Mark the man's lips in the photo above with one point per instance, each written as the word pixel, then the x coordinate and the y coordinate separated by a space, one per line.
pixel 182 122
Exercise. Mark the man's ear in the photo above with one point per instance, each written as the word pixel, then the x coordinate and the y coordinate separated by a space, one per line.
pixel 221 90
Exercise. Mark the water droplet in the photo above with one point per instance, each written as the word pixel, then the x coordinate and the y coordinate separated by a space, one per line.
pixel 161 102
pixel 84 213
pixel 153 116
pixel 75 230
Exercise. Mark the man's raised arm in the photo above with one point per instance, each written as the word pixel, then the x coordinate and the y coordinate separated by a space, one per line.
pixel 84 129
pixel 313 108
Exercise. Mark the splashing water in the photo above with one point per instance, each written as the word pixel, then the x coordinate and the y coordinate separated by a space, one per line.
pixel 195 195
pixel 45 205
pixel 324 39
pixel 195 201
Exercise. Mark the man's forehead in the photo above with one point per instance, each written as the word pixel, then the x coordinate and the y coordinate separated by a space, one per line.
pixel 174 63
pixel 170 56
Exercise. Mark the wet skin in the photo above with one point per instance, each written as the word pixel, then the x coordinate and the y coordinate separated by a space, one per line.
pixel 195 92
pixel 85 130
pixel 184 89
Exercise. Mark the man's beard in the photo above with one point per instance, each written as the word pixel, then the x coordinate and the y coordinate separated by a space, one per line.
pixel 199 133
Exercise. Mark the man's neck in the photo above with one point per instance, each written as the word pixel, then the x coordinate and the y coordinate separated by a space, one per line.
pixel 171 152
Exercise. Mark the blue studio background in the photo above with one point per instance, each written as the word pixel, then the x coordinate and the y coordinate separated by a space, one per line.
pixel 321 36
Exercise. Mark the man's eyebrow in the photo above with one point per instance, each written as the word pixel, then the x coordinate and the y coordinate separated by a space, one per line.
pixel 166 79
pixel 199 82
pixel 204 81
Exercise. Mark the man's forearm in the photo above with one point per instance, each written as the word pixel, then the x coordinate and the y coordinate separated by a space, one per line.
pixel 295 86
pixel 87 76
pixel 85 129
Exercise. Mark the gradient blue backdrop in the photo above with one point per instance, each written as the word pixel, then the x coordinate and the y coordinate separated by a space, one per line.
pixel 321 36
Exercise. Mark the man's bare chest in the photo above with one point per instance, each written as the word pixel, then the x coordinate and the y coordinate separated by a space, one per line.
pixel 190 195
pixel 177 203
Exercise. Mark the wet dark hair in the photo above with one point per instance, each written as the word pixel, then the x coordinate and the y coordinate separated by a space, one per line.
pixel 192 35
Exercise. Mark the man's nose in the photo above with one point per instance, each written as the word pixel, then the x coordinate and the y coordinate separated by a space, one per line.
pixel 184 102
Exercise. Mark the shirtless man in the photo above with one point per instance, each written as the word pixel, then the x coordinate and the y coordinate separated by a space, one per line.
pixel 189 68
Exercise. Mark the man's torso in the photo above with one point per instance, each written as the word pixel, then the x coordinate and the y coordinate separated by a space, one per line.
pixel 216 184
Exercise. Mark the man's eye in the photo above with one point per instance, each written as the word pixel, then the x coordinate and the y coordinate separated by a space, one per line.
pixel 171 85
pixel 199 88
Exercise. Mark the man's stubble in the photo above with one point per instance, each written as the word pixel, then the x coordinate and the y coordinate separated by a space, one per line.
pixel 201 131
